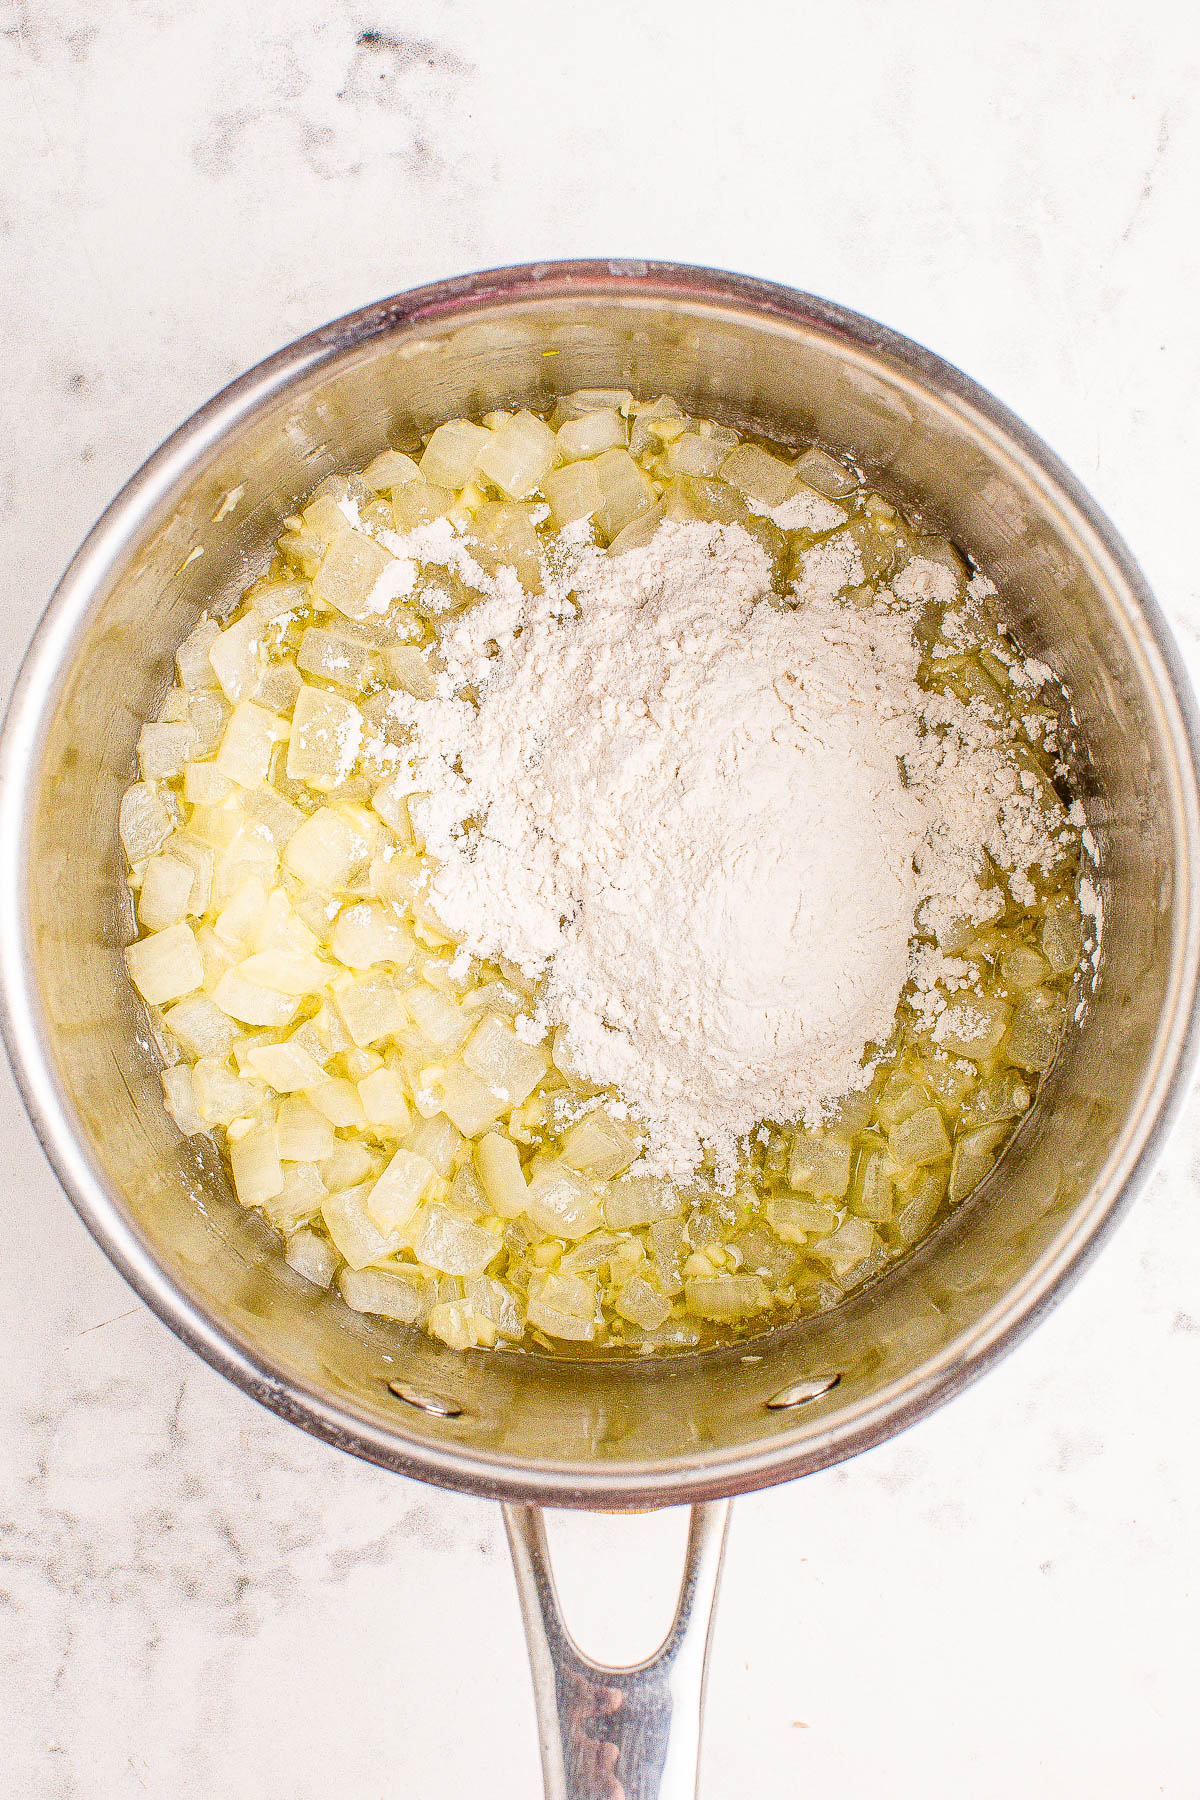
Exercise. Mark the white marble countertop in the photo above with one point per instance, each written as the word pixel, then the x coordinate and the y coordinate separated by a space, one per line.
pixel 196 1600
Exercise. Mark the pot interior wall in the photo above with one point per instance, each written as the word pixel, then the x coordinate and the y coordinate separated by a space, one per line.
pixel 794 378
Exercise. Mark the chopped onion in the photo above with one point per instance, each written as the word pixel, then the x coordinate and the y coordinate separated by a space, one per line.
pixel 312 1257
pixel 376 1100
pixel 166 965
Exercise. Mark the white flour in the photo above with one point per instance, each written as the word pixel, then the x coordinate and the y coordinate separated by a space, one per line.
pixel 706 821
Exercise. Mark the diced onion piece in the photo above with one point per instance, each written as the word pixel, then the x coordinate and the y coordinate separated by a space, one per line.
pixel 817 469
pixel 274 815
pixel 919 1211
pixel 201 1028
pixel 300 1198
pixel 921 1138
pixel 1023 968
pixel 390 469
pixel 326 850
pixel 407 666
pixel 667 1244
pixel 639 531
pixel 179 1100
pixel 573 493
pixel 847 1247
pixel 793 1219
pixel 204 784
pixel 516 457
pixel 758 475
pixel 280 685
pixel 166 965
pixel 490 1299
pixel 286 1067
pixel 503 536
pixel 585 400
pixel 454 1245
pixel 640 1200
pixel 251 1002
pixel 164 749
pixel 358 577
pixel 384 1101
pixel 215 955
pixel 304 1134
pixel 450 1321
pixel 237 656
pixel 250 736
pixel 594 432
pixel 973 1157
pixel 562 1306
pixel 369 1007
pixel 257 1170
pixel 656 422
pixel 288 971
pixel 365 934
pixel 499 1163
pixel 562 1203
pixel 901 1096
pixel 220 1095
pixel 692 454
pixel 358 1238
pixel 973 1027
pixel 200 860
pixel 274 598
pixel 396 1297
pixel 467 1195
pixel 1005 1096
pixel 1033 1036
pixel 337 1099
pixel 724 1297
pixel 312 1257
pixel 238 920
pixel 450 456
pixel 399 1191
pixel 280 928
pixel 642 1304
pixel 166 892
pixel 1062 934
pixel 144 822
pixel 628 491
pixel 208 712
pixel 598 1146
pixel 390 801
pixel 324 514
pixel 503 1060
pixel 820 1165
pixel 249 861
pixel 871 1196
pixel 396 876
pixel 332 656
pixel 420 501
pixel 192 660
pixel 326 733
pixel 349 1164
pixel 216 827
pixel 441 1020
pixel 599 1250
pixel 468 1101
pixel 438 1141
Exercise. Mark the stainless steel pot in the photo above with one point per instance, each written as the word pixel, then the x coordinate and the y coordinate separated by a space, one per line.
pixel 192 527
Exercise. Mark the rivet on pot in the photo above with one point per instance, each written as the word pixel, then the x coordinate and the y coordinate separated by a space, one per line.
pixel 436 1404
pixel 800 1392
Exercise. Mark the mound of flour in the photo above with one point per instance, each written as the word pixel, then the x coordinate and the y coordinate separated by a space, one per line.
pixel 706 821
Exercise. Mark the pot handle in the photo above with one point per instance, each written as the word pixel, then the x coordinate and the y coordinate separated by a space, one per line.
pixel 628 1733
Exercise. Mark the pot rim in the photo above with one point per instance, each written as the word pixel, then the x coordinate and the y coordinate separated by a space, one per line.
pixel 113 538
